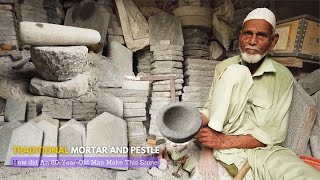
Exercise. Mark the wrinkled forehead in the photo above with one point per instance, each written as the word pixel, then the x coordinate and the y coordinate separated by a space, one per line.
pixel 257 25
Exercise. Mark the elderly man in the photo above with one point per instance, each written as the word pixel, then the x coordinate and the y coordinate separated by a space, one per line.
pixel 245 118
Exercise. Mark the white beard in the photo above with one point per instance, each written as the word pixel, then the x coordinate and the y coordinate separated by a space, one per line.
pixel 251 59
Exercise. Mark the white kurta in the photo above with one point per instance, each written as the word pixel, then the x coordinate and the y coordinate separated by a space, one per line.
pixel 240 103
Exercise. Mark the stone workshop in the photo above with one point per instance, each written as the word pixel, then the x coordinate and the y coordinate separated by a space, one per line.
pixel 159 89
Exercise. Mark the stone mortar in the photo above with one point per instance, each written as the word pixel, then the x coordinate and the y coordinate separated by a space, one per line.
pixel 179 122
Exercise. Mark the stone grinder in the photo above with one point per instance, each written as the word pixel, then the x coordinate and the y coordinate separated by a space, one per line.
pixel 179 122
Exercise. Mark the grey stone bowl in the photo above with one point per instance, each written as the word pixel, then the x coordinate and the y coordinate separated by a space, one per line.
pixel 179 122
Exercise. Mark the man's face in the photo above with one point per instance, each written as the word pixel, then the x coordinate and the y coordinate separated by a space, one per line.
pixel 256 40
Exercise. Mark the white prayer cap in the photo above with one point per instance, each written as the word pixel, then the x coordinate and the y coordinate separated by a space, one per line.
pixel 262 13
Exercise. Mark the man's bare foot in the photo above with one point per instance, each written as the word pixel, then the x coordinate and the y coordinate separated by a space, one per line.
pixel 207 165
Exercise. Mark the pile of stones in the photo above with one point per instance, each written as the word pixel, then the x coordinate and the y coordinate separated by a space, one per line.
pixel 144 58
pixel 60 67
pixel 8 34
pixel 198 69
pixel 196 43
pixel 134 95
pixel 167 61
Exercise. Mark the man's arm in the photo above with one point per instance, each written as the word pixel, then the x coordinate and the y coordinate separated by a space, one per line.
pixel 213 139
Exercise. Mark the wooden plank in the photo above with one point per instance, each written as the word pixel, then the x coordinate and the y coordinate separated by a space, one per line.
pixel 289 61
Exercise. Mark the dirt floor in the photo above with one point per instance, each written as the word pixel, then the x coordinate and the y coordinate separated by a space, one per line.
pixel 12 173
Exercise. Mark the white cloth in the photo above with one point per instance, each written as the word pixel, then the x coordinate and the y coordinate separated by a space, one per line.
pixel 262 13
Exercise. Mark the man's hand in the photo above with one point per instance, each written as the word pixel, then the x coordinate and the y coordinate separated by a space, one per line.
pixel 211 138
pixel 216 140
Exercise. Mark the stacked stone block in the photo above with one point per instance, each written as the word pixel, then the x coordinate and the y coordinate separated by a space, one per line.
pixel 196 43
pixel 134 95
pixel 144 58
pixel 167 61
pixel 8 33
pixel 114 29
pixel 198 69
pixel 198 79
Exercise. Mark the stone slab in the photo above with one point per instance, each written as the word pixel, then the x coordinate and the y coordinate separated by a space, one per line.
pixel 196 53
pixel 134 25
pixel 103 72
pixel 136 129
pixel 122 58
pixel 166 64
pixel 166 47
pixel 163 99
pixel 87 14
pixel 187 89
pixel 25 136
pixel 200 79
pixel 200 84
pixel 200 67
pixel 195 96
pixel 134 113
pixel 75 87
pixel 199 73
pixel 176 81
pixel 31 110
pixel 201 61
pixel 69 137
pixel 133 99
pixel 45 34
pixel 311 82
pixel 135 119
pixel 160 70
pixel 165 87
pixel 46 117
pixel 134 105
pixel 302 114
pixel 168 52
pixel 15 110
pixel 78 126
pixel 126 93
pixel 84 110
pixel 165 94
pixel 50 136
pixel 167 58
pixel 159 26
pixel 115 38
pixel 5 136
pixel 109 103
pixel 195 47
pixel 58 108
pixel 99 131
pixel 135 85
